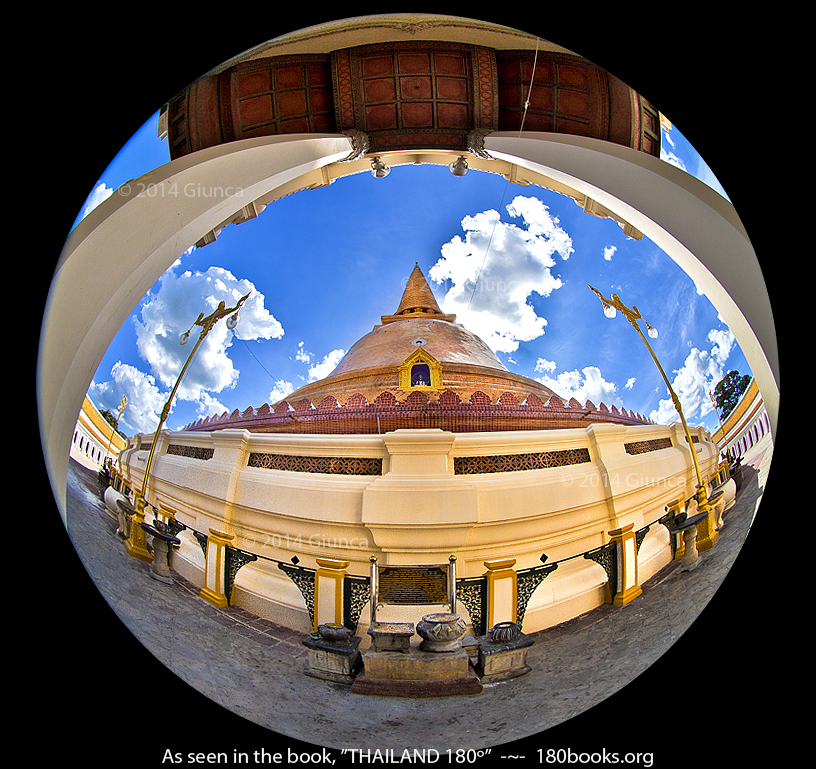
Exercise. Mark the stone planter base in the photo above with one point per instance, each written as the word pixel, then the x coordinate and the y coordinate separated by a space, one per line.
pixel 389 687
pixel 502 661
pixel 338 662
pixel 416 674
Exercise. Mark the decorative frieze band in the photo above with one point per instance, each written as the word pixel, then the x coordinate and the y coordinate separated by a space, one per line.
pixel 642 447
pixel 503 463
pixel 325 465
pixel 191 452
pixel 456 412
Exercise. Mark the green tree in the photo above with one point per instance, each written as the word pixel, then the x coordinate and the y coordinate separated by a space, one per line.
pixel 111 419
pixel 729 390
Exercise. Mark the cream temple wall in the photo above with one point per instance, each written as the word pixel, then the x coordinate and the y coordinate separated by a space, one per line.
pixel 746 425
pixel 94 439
pixel 438 494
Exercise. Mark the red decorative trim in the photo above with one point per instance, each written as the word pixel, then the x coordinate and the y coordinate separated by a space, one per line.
pixel 385 413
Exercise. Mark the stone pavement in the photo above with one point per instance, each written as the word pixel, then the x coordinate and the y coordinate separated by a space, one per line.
pixel 578 694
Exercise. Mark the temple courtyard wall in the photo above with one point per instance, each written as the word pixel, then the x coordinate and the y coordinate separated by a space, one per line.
pixel 534 505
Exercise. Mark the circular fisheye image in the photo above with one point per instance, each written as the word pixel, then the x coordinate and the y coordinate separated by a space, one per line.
pixel 408 386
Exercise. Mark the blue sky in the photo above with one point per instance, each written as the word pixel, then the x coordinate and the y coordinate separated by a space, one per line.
pixel 325 264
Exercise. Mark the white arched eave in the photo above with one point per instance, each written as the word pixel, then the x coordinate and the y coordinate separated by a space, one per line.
pixel 698 228
pixel 113 257
pixel 116 254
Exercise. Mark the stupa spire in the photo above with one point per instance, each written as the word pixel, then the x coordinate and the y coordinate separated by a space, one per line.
pixel 417 296
pixel 418 301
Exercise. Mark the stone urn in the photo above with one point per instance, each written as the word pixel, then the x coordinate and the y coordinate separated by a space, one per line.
pixel 441 632
pixel 334 633
pixel 162 539
pixel 504 632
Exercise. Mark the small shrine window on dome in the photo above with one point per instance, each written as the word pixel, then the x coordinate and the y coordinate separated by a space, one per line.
pixel 420 371
pixel 420 375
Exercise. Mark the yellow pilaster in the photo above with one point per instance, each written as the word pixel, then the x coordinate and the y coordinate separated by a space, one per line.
pixel 680 546
pixel 165 513
pixel 328 599
pixel 214 575
pixel 626 553
pixel 502 591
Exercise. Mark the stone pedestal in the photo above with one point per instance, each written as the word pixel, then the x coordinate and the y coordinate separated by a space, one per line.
pixel 690 555
pixel 122 513
pixel 416 674
pixel 503 661
pixel 503 653
pixel 111 497
pixel 717 502
pixel 160 567
pixel 333 661
pixel 688 527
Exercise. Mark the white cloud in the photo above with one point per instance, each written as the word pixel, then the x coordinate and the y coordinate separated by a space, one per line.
pixel 700 373
pixel 584 385
pixel 326 366
pixel 100 192
pixel 519 262
pixel 321 369
pixel 209 406
pixel 609 252
pixel 669 156
pixel 302 355
pixel 723 341
pixel 544 365
pixel 630 383
pixel 281 389
pixel 144 400
pixel 672 159
pixel 173 307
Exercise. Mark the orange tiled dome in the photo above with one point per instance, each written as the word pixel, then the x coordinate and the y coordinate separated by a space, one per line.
pixel 373 363
pixel 418 369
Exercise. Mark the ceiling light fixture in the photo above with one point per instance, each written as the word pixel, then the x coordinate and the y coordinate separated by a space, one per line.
pixel 459 167
pixel 379 169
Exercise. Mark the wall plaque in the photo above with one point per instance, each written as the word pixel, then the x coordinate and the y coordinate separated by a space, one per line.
pixel 413 584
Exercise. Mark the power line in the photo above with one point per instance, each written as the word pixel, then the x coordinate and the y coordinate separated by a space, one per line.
pixel 258 362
